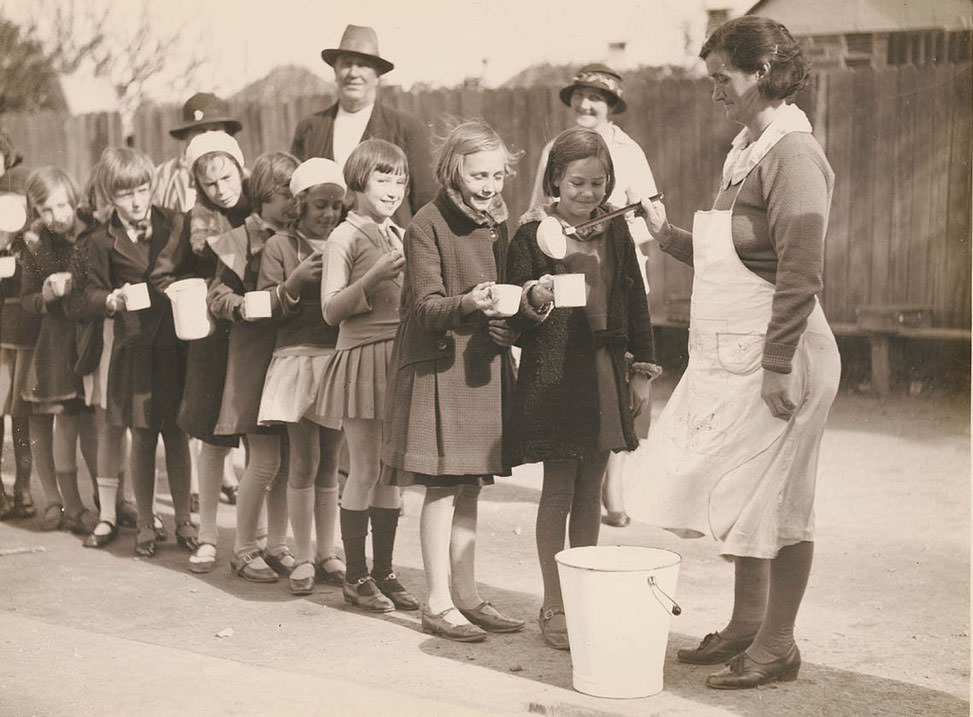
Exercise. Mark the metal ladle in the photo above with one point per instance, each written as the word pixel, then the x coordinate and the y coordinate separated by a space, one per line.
pixel 551 232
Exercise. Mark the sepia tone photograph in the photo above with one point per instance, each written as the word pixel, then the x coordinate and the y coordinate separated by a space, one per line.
pixel 485 358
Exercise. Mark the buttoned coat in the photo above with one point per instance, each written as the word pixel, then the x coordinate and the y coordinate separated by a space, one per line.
pixel 50 376
pixel 147 370
pixel 555 407
pixel 314 137
pixel 444 400
pixel 251 343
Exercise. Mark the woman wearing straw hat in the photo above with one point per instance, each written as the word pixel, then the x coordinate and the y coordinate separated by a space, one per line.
pixel 356 116
pixel 595 95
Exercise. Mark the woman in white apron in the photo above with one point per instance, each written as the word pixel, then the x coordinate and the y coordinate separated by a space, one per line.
pixel 734 453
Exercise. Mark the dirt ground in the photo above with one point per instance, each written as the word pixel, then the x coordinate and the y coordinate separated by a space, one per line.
pixel 884 629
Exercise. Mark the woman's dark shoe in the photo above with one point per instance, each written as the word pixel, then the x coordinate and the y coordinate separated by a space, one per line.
pixel 364 593
pixel 145 542
pixel 394 591
pixel 330 571
pixel 52 516
pixel 492 620
pixel 161 535
pixel 438 625
pixel 742 672
pixel 554 628
pixel 617 519
pixel 247 567
pixel 100 540
pixel 230 491
pixel 187 535
pixel 714 650
pixel 281 562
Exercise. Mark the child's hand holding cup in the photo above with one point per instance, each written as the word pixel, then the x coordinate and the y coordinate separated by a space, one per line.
pixel 388 266
pixel 115 302
pixel 541 294
pixel 56 286
pixel 479 298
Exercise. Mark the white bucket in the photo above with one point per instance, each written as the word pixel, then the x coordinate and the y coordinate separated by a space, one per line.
pixel 189 312
pixel 618 601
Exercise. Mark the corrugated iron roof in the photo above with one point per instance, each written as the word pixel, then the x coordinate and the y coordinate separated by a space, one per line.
pixel 825 17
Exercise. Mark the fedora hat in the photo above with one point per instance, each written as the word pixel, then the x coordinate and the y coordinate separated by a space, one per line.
pixel 599 77
pixel 359 40
pixel 205 108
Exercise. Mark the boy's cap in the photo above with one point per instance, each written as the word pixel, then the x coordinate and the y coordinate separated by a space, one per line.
pixel 359 40
pixel 205 108
pixel 213 142
pixel 314 171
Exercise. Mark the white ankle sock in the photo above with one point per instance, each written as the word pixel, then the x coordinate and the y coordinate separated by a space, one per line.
pixel 107 495
pixel 300 509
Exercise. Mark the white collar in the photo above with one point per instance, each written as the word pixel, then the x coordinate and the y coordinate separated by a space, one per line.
pixel 745 153
pixel 364 113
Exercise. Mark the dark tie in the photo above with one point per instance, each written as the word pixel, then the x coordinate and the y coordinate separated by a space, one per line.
pixel 141 230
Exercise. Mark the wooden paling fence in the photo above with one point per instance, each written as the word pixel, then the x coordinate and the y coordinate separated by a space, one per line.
pixel 898 139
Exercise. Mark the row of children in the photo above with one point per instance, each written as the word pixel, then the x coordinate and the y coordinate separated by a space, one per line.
pixel 393 339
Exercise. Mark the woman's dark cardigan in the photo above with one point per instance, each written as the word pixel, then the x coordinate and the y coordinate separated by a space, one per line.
pixel 555 411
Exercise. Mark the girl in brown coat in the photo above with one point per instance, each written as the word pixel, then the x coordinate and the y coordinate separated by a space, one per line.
pixel 446 375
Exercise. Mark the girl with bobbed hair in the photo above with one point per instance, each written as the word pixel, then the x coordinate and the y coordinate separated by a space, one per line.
pixel 734 454
pixel 572 406
pixel 290 268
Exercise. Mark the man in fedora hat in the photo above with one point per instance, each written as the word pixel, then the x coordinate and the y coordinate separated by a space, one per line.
pixel 356 116
pixel 202 112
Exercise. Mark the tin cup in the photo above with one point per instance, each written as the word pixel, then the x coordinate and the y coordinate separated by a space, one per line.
pixel 256 304
pixel 569 290
pixel 136 296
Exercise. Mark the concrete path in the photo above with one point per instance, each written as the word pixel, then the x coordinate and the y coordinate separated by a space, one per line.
pixel 884 628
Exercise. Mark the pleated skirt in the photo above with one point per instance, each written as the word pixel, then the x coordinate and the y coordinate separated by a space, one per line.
pixel 354 382
pixel 291 389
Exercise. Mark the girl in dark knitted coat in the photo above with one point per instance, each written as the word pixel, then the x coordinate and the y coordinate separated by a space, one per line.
pixel 51 387
pixel 572 405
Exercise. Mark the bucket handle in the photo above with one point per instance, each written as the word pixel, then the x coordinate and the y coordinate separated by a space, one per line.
pixel 654 586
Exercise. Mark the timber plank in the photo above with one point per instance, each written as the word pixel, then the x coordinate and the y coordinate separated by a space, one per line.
pixel 958 229
pixel 923 152
pixel 902 207
pixel 940 109
pixel 840 136
pixel 862 173
pixel 883 186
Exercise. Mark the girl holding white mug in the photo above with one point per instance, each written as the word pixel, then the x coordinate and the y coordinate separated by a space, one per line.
pixel 572 405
